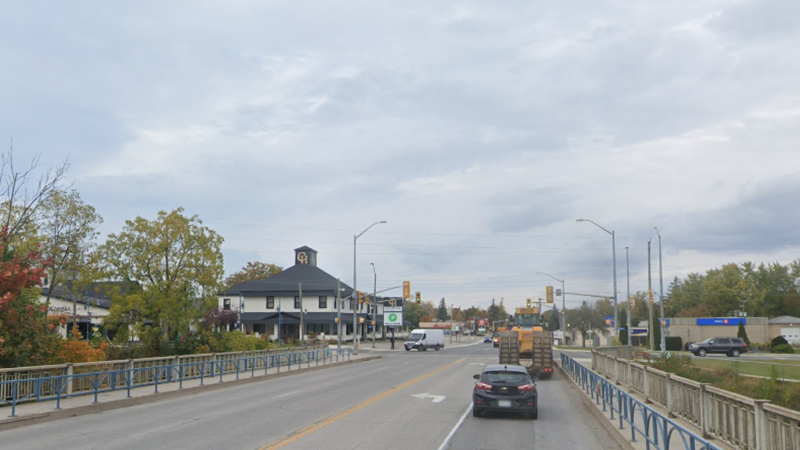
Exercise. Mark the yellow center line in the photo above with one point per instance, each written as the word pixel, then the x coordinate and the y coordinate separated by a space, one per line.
pixel 329 420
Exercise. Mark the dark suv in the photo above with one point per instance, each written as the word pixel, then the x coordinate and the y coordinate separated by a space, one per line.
pixel 730 346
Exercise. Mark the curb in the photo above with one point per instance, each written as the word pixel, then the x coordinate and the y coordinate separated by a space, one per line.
pixel 17 422
pixel 605 421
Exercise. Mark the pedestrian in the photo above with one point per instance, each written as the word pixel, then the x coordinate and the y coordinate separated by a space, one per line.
pixel 391 339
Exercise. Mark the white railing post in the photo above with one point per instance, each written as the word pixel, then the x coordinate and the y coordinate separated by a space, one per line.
pixel 705 410
pixel 69 372
pixel 616 371
pixel 646 386
pixel 668 385
pixel 761 425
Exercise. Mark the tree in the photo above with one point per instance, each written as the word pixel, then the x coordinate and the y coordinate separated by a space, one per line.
pixel 553 322
pixel 441 312
pixel 586 319
pixel 69 237
pixel 178 265
pixel 21 207
pixel 25 338
pixel 742 333
pixel 253 271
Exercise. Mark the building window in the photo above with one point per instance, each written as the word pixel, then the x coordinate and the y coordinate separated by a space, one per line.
pixel 297 302
pixel 323 302
pixel 351 304
pixel 260 328
pixel 226 304
pixel 270 302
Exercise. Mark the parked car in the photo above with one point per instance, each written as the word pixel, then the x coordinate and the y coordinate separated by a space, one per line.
pixel 730 346
pixel 487 340
pixel 505 388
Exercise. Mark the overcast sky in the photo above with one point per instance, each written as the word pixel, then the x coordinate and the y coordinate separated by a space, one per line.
pixel 479 131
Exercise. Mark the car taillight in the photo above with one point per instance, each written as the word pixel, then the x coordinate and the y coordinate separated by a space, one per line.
pixel 527 387
pixel 483 386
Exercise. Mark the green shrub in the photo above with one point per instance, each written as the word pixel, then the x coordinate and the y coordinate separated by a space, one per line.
pixel 778 340
pixel 782 348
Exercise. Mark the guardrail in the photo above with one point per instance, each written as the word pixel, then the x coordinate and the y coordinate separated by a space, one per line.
pixel 740 421
pixel 47 383
pixel 658 430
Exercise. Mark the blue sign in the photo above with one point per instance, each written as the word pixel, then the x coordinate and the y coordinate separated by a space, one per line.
pixel 610 321
pixel 723 321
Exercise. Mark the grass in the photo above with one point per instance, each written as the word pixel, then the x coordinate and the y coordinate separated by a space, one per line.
pixel 787 370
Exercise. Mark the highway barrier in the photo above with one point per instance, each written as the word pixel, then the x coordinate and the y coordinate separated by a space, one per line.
pixel 657 430
pixel 740 421
pixel 48 383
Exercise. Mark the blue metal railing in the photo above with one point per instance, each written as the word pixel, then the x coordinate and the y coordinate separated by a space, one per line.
pixel 658 430
pixel 58 387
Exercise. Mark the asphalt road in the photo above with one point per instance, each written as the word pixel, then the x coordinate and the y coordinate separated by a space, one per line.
pixel 406 400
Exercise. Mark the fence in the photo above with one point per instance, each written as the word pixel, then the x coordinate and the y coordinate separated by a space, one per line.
pixel 742 422
pixel 657 430
pixel 47 383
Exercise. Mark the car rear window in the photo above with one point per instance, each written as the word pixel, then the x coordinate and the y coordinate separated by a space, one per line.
pixel 505 377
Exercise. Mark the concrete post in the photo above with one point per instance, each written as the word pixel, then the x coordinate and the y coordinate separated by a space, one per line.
pixel 669 396
pixel 705 411
pixel 761 425
pixel 69 372
pixel 646 386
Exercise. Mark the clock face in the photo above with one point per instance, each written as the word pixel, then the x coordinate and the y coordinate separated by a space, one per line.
pixel 302 258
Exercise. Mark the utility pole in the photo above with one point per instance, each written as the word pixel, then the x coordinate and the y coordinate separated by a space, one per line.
pixel 661 295
pixel 649 303
pixel 338 318
pixel 628 265
pixel 374 306
pixel 451 324
pixel 300 288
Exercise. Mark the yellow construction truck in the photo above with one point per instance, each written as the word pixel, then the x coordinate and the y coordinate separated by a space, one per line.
pixel 528 343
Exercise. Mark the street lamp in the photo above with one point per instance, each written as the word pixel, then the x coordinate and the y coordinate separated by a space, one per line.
pixel 355 288
pixel 563 299
pixel 374 301
pixel 628 266
pixel 614 262
pixel 661 294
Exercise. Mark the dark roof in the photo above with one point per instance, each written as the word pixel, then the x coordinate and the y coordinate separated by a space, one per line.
pixel 97 293
pixel 315 282
pixel 293 318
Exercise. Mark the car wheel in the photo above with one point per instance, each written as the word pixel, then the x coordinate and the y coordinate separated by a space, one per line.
pixel 407 349
pixel 476 413
pixel 436 347
pixel 701 352
pixel 735 353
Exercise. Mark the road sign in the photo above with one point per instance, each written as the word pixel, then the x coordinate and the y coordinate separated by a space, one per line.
pixel 393 319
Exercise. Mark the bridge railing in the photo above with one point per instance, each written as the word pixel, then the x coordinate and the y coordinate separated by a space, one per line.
pixel 655 429
pixel 47 383
pixel 740 421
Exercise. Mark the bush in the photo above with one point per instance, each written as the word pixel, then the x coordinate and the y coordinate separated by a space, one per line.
pixel 782 348
pixel 778 340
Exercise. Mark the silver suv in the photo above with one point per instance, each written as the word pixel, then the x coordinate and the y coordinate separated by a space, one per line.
pixel 730 346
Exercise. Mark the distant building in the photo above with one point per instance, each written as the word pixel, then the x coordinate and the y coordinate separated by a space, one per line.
pixel 275 307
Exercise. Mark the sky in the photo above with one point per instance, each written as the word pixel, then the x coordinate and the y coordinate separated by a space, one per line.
pixel 480 132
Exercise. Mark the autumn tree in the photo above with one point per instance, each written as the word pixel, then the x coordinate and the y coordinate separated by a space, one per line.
pixel 586 319
pixel 253 271
pixel 69 235
pixel 177 262
pixel 414 312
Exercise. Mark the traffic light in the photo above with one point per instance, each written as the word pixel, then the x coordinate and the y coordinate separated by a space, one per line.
pixel 373 323
pixel 631 301
pixel 419 297
pixel 336 320
pixel 528 303
pixel 360 320
pixel 406 289
pixel 549 294
pixel 652 299
pixel 360 297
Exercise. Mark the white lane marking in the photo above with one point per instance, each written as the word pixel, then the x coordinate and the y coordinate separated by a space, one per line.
pixel 424 395
pixel 288 393
pixel 455 428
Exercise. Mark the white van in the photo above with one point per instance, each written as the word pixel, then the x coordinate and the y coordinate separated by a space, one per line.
pixel 424 339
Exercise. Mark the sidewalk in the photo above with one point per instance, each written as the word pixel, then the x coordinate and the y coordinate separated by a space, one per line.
pixel 38 412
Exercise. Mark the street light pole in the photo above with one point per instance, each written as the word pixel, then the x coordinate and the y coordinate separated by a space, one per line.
pixel 374 301
pixel 338 317
pixel 614 262
pixel 563 300
pixel 627 264
pixel 661 294
pixel 355 288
